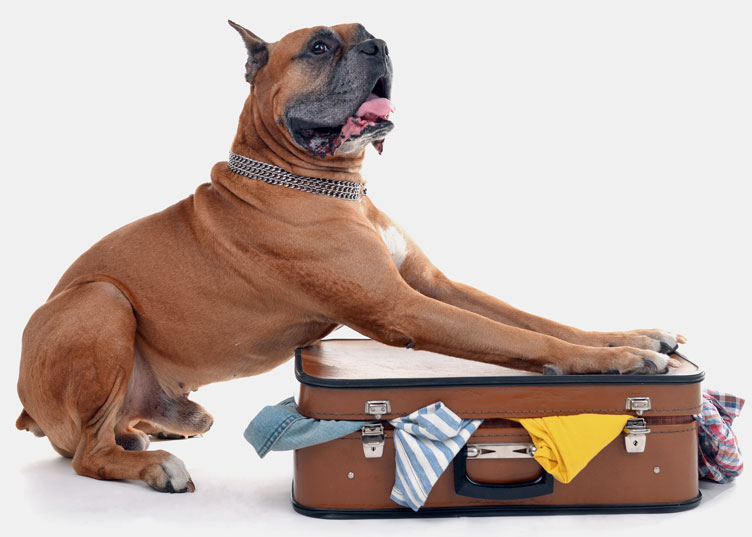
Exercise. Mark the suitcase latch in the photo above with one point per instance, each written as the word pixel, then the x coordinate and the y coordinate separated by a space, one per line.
pixel 378 408
pixel 500 451
pixel 373 440
pixel 635 430
pixel 638 405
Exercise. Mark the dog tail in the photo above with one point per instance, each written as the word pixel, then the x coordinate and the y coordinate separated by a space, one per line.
pixel 26 423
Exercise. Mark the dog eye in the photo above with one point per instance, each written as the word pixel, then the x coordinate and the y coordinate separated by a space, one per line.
pixel 319 48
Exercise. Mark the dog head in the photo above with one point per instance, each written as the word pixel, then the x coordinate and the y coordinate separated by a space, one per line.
pixel 325 89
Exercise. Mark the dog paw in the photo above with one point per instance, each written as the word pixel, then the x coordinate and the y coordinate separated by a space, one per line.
pixel 613 361
pixel 169 476
pixel 628 360
pixel 655 340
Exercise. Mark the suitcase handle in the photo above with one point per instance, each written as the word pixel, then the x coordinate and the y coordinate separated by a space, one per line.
pixel 464 486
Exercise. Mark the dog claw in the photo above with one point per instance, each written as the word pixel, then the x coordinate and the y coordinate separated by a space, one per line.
pixel 649 367
pixel 668 349
pixel 170 487
pixel 550 369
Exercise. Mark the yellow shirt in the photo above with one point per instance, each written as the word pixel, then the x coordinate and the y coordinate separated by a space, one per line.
pixel 566 444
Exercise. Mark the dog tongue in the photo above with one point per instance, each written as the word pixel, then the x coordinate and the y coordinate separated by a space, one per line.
pixel 374 108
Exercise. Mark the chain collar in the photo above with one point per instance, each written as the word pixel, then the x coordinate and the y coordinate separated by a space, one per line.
pixel 274 175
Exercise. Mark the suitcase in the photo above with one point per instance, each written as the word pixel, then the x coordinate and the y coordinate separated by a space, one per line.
pixel 651 467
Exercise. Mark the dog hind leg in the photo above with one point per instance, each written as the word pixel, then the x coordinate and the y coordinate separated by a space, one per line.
pixel 175 418
pixel 77 358
pixel 150 410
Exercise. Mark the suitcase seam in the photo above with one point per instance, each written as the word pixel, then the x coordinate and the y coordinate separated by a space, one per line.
pixel 522 433
pixel 512 412
pixel 672 432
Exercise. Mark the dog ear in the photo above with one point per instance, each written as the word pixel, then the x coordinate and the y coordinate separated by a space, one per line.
pixel 258 50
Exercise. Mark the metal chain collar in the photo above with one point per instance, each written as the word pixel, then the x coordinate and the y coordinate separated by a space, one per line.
pixel 274 175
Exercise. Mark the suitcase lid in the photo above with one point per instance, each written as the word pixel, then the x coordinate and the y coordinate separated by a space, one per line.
pixel 339 377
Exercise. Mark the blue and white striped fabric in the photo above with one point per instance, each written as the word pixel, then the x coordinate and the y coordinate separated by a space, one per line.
pixel 425 442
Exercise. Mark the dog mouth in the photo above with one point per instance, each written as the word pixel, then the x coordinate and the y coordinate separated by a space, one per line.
pixel 370 122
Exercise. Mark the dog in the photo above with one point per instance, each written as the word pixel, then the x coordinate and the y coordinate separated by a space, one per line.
pixel 282 247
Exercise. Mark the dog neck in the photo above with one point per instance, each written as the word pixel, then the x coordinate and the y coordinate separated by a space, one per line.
pixel 262 138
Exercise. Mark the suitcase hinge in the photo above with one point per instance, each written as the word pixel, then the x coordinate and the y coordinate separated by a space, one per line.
pixel 635 430
pixel 638 405
pixel 372 437
pixel 378 408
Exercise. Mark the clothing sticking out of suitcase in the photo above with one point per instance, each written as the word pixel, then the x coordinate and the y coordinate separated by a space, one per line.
pixel 650 467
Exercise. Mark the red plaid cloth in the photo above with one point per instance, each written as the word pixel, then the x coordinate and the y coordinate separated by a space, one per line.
pixel 719 457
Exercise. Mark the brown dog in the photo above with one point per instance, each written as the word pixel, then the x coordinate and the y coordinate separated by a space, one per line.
pixel 228 282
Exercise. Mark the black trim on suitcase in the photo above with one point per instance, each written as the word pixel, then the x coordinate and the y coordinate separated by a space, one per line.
pixel 545 380
pixel 499 510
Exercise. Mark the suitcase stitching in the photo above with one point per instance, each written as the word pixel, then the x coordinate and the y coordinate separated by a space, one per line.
pixel 672 432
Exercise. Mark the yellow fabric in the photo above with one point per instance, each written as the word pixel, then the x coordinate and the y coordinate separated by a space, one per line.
pixel 566 444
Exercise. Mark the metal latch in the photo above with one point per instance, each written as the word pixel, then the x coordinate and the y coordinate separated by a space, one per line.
pixel 372 437
pixel 500 451
pixel 638 405
pixel 378 408
pixel 635 438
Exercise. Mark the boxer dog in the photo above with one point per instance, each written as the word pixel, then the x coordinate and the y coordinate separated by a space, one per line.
pixel 279 249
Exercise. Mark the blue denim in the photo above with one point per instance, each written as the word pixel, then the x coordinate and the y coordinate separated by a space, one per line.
pixel 282 428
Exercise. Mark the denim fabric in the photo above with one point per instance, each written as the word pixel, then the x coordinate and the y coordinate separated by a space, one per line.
pixel 282 428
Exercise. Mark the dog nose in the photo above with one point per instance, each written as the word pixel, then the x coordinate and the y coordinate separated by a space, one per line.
pixel 373 47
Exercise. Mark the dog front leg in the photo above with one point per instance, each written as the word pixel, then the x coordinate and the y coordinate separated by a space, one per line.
pixel 420 274
pixel 405 317
pixel 423 276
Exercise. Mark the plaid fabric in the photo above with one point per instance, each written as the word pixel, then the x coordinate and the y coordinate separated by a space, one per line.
pixel 719 457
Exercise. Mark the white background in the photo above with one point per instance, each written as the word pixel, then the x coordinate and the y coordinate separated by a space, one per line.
pixel 586 161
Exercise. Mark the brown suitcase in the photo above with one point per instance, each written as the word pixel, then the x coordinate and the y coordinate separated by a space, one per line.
pixel 652 467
